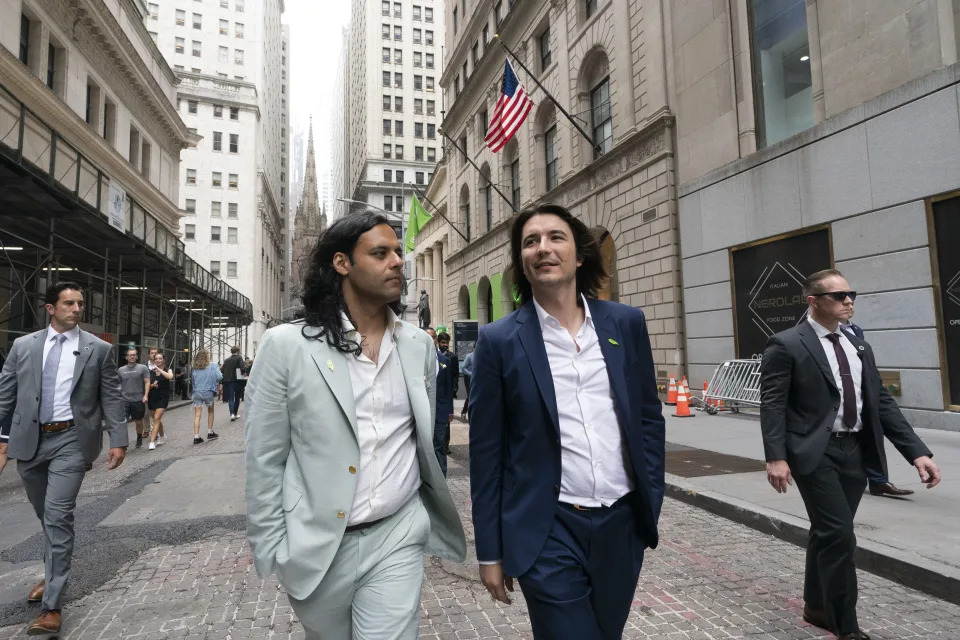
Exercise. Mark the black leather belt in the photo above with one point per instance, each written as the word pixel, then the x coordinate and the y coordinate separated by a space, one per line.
pixel 578 507
pixel 844 434
pixel 53 427
pixel 363 525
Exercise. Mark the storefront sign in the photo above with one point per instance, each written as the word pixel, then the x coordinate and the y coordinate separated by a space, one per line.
pixel 116 204
pixel 465 334
pixel 767 282
pixel 946 224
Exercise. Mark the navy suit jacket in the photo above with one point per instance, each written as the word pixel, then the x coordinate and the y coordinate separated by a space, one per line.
pixel 515 433
pixel 444 388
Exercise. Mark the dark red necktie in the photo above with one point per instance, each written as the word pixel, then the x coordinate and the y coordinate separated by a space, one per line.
pixel 849 395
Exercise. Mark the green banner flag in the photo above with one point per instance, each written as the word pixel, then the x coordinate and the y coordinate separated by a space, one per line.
pixel 418 218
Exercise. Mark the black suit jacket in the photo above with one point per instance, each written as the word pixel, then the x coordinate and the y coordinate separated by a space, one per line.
pixel 444 388
pixel 799 401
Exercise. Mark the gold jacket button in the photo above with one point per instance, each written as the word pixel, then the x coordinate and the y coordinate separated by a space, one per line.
pixel 341 514
pixel 352 469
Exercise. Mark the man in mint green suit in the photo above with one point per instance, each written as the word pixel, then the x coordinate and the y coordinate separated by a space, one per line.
pixel 344 492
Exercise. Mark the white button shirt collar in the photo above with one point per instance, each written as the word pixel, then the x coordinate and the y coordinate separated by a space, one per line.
pixel 62 410
pixel 388 474
pixel 856 370
pixel 594 467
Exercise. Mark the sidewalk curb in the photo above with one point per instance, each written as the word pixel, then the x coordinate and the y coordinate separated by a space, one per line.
pixel 888 562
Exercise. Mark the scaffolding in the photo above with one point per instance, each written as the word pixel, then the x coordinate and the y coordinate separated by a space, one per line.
pixel 140 287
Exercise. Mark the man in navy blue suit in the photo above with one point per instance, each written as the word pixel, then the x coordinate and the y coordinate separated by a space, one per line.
pixel 441 427
pixel 566 438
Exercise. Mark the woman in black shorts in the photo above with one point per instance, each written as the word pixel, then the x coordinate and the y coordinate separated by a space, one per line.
pixel 159 396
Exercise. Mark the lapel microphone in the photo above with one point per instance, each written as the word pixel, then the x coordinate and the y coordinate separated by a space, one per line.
pixel 76 353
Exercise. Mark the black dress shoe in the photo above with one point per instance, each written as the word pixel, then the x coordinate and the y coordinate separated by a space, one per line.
pixel 888 489
pixel 816 617
pixel 855 635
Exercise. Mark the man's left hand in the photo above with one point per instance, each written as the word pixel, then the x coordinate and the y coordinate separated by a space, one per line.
pixel 3 455
pixel 929 471
pixel 115 457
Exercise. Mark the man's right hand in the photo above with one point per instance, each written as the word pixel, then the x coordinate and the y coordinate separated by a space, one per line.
pixel 778 475
pixel 491 575
pixel 144 401
pixel 3 455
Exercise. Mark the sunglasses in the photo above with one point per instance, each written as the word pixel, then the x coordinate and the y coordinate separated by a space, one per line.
pixel 839 296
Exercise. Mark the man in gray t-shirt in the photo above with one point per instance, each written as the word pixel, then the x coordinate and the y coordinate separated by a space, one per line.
pixel 135 387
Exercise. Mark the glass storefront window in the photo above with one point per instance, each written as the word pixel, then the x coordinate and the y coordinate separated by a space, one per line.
pixel 783 88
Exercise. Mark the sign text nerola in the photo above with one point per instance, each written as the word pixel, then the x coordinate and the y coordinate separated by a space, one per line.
pixel 780 301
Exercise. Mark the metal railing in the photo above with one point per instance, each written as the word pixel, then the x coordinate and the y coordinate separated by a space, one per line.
pixel 736 383
pixel 29 141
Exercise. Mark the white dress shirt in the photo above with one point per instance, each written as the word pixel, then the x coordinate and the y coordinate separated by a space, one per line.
pixel 594 468
pixel 389 473
pixel 856 371
pixel 62 410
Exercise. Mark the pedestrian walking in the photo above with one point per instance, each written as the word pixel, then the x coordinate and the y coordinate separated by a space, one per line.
pixel 159 398
pixel 242 383
pixel 566 438
pixel 443 344
pixel 205 380
pixel 824 413
pixel 344 496
pixel 148 418
pixel 135 389
pixel 232 371
pixel 58 388
pixel 180 380
pixel 444 403
pixel 467 371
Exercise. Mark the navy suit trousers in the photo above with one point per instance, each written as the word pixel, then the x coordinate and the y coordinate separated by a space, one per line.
pixel 583 582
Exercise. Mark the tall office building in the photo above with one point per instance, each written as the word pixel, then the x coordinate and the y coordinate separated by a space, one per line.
pixel 231 59
pixel 339 131
pixel 393 100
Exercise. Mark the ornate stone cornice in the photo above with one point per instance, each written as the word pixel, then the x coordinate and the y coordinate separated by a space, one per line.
pixel 102 41
pixel 642 148
pixel 60 117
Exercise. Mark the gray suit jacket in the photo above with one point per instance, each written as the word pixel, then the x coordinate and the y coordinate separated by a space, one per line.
pixel 301 440
pixel 95 397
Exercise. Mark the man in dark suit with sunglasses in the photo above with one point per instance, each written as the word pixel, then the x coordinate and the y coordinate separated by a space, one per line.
pixel 824 413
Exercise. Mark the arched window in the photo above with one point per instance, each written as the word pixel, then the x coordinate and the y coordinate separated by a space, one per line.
pixel 465 211
pixel 486 200
pixel 511 173
pixel 547 162
pixel 594 86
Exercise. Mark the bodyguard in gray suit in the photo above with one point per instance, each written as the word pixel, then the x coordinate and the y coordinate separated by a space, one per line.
pixel 58 386
pixel 344 492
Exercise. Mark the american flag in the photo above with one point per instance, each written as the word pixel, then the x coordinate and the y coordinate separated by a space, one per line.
pixel 512 108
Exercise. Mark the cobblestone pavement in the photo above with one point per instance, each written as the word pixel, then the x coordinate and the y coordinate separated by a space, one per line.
pixel 710 578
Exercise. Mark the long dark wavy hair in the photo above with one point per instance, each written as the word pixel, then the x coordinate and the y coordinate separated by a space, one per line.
pixel 591 275
pixel 322 286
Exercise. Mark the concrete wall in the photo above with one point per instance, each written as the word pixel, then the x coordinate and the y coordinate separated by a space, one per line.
pixel 867 173
pixel 858 50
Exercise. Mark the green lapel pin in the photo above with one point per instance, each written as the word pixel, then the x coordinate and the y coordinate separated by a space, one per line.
pixel 330 364
pixel 613 342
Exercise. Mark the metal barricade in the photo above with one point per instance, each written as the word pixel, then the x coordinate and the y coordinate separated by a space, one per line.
pixel 736 383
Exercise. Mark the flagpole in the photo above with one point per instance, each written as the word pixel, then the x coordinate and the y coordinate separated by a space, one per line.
pixel 530 75
pixel 489 182
pixel 437 210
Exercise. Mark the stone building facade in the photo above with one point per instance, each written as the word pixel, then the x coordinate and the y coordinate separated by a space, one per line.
pixel 603 61
pixel 815 134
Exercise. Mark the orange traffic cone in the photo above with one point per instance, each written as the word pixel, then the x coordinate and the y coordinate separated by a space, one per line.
pixel 672 392
pixel 685 384
pixel 683 404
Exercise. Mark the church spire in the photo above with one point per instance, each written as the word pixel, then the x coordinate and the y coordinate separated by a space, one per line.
pixel 310 200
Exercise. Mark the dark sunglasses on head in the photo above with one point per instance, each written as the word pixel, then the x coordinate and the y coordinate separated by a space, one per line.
pixel 839 296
